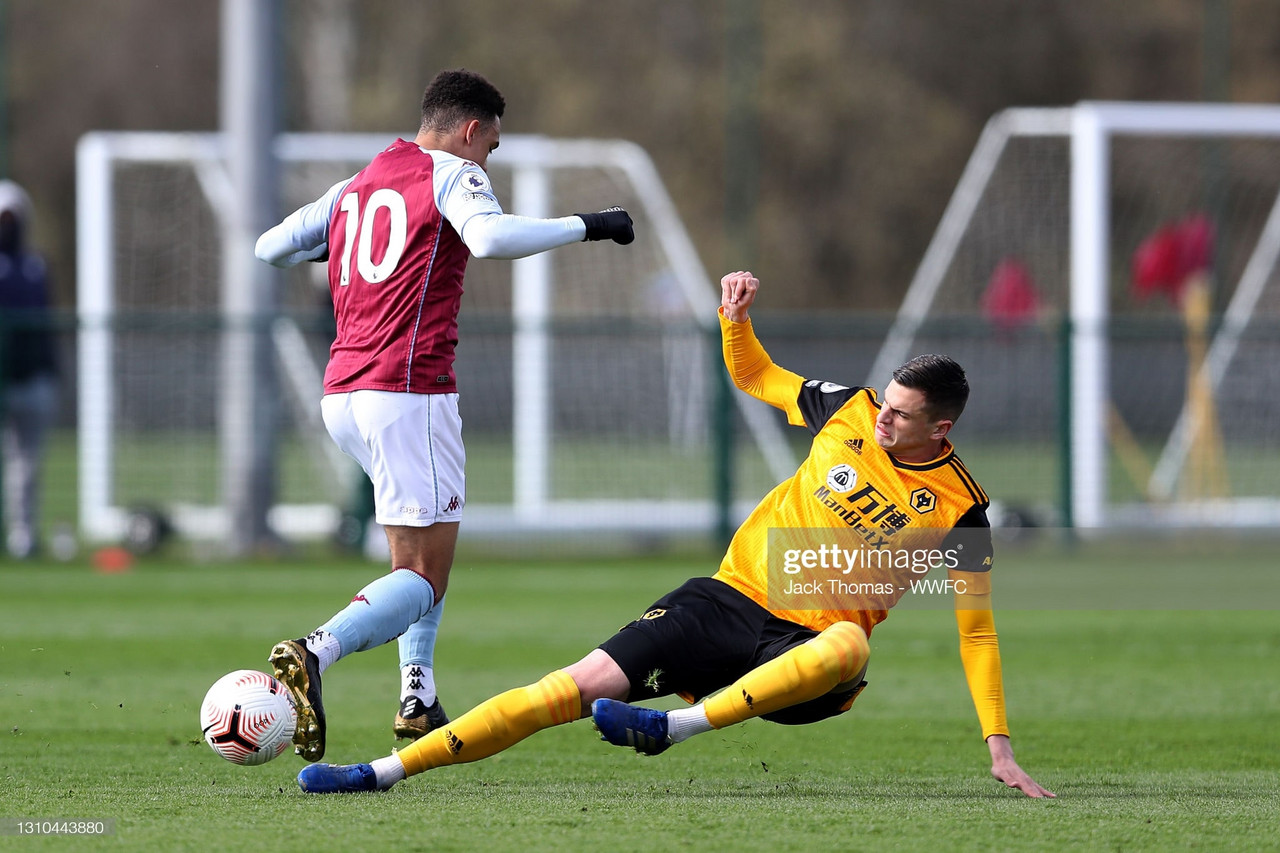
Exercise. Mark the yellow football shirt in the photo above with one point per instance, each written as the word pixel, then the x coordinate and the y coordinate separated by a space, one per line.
pixel 854 529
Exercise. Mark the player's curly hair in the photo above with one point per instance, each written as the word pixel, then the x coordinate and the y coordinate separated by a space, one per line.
pixel 942 382
pixel 459 95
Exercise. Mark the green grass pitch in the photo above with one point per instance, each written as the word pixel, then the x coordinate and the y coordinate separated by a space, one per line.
pixel 1158 729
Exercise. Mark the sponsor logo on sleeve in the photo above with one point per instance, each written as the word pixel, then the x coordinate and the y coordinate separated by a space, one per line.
pixel 475 182
pixel 841 479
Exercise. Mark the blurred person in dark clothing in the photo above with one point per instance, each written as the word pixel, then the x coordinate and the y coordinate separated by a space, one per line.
pixel 28 370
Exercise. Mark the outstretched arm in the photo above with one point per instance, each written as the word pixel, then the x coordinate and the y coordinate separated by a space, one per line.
pixel 749 365
pixel 303 235
pixel 980 654
pixel 505 235
pixel 508 236
pixel 464 194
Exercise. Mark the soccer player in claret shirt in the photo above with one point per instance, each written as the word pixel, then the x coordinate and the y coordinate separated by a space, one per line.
pixel 877 469
pixel 397 237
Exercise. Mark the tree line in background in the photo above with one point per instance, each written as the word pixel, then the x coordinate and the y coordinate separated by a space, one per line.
pixel 848 122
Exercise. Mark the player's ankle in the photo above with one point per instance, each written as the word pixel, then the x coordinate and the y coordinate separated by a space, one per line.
pixel 387 771
pixel 684 723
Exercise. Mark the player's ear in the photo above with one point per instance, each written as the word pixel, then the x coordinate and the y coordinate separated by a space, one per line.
pixel 470 129
pixel 941 428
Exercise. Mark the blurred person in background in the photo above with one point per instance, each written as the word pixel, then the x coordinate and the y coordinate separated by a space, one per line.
pixel 28 371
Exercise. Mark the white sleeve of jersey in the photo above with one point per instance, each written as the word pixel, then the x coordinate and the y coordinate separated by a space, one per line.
pixel 465 197
pixel 303 235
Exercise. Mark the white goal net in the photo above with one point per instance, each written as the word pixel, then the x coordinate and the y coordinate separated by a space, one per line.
pixel 587 374
pixel 1108 272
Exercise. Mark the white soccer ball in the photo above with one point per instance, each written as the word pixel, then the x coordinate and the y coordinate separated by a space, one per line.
pixel 248 717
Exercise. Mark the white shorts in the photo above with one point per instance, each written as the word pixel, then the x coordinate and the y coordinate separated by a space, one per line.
pixel 410 445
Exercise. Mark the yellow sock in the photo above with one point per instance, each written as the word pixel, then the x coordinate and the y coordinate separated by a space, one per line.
pixel 496 724
pixel 798 675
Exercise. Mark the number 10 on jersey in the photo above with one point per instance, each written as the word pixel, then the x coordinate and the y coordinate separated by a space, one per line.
pixel 362 227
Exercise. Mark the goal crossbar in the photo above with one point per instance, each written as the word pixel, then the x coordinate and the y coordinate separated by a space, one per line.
pixel 529 157
pixel 1090 128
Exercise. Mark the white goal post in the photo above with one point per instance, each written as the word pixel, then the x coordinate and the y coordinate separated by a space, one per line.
pixel 1096 261
pixel 120 276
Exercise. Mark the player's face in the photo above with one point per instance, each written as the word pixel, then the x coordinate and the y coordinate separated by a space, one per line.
pixel 903 427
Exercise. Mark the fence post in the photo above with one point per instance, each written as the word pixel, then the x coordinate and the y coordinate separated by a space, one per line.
pixel 1065 491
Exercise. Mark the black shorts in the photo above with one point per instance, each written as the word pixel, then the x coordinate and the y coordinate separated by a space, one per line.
pixel 704 636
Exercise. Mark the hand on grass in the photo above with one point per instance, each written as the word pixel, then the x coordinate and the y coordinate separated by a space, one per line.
pixel 1004 768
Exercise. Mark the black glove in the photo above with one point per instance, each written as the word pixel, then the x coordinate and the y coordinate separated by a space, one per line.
pixel 613 223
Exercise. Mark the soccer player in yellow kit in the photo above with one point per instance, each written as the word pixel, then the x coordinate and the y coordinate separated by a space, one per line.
pixel 779 632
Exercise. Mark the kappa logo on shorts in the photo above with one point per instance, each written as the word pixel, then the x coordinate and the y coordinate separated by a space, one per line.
pixel 454 503
pixel 655 613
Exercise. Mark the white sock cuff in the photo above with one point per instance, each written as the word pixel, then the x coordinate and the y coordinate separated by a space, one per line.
pixel 325 646
pixel 387 771
pixel 684 723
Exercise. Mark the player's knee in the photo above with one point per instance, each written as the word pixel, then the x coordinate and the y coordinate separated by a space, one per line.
pixel 806 668
pixel 438 580
pixel 844 649
pixel 598 676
